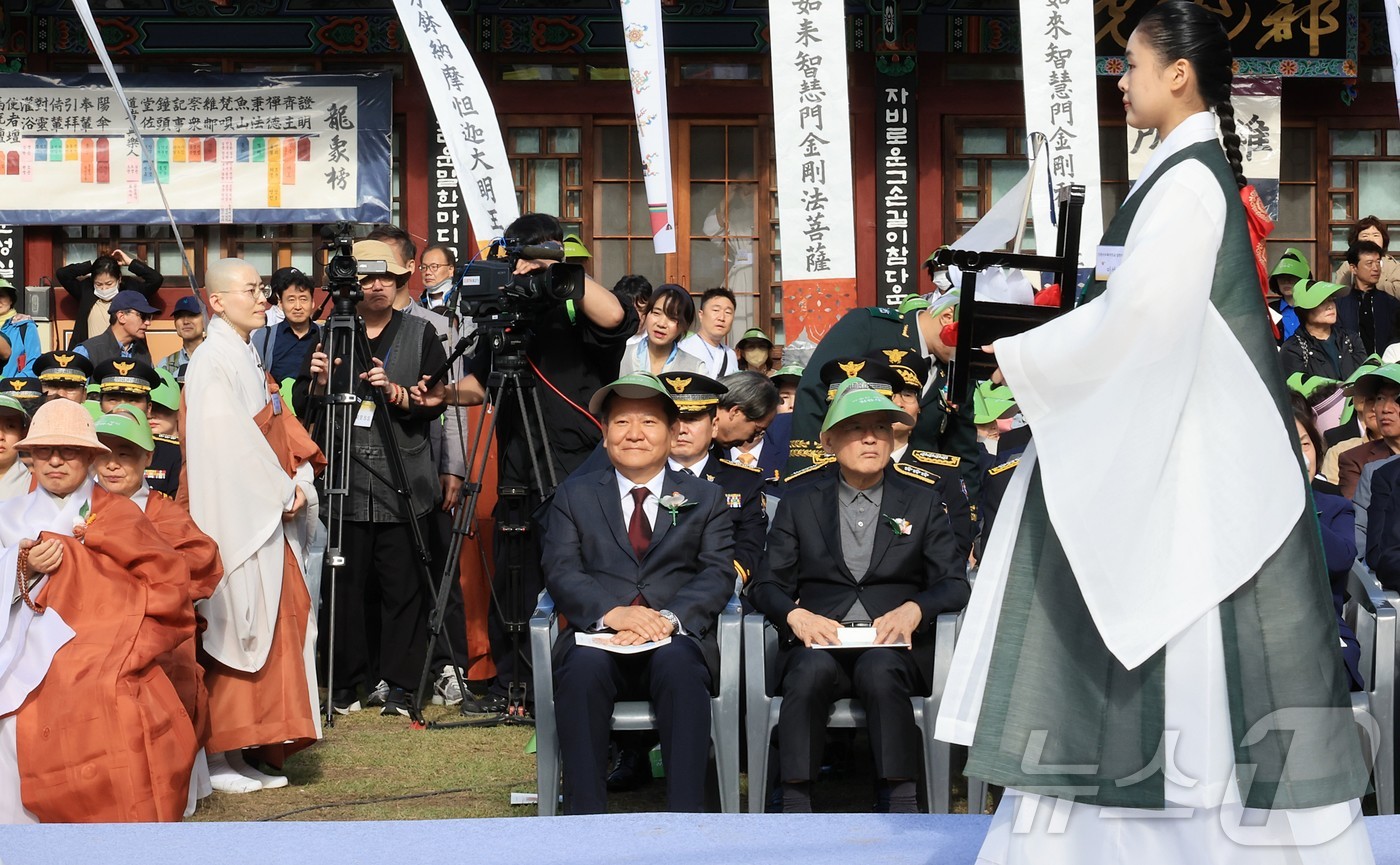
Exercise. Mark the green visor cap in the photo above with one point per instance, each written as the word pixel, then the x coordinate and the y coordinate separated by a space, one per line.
pixel 574 248
pixel 855 397
pixel 1367 385
pixel 1310 384
pixel 637 385
pixel 1370 364
pixel 913 302
pixel 167 395
pixel 792 370
pixel 94 387
pixel 94 408
pixel 136 431
pixel 1293 263
pixel 949 298
pixel 1311 293
pixel 9 403
pixel 753 333
pixel 990 402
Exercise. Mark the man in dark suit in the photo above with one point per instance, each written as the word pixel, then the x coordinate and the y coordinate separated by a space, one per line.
pixel 696 397
pixel 1381 390
pixel 647 554
pixel 869 546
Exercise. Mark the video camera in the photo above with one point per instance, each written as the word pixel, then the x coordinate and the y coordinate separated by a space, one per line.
pixel 489 289
pixel 343 272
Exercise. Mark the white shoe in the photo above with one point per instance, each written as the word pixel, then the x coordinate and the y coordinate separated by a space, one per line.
pixel 446 691
pixel 225 779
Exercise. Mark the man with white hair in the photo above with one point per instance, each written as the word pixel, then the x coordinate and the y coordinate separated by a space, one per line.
pixel 91 727
pixel 250 467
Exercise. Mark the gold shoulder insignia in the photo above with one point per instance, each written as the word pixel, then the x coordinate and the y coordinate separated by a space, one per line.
pixel 63 359
pixel 1004 467
pixel 123 368
pixel 165 438
pixel 916 473
pixel 739 465
pixel 936 459
pixel 852 369
pixel 904 334
pixel 895 355
pixel 800 472
pixel 679 384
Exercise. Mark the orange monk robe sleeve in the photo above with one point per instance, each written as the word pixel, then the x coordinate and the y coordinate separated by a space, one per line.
pixel 201 553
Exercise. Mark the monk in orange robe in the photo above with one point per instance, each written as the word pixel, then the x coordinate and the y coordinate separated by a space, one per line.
pixel 250 468
pixel 103 736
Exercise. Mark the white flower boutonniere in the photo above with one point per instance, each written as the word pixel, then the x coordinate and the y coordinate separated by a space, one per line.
pixel 899 525
pixel 674 502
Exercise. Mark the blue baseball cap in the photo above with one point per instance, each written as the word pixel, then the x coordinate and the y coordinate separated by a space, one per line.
pixel 187 305
pixel 131 300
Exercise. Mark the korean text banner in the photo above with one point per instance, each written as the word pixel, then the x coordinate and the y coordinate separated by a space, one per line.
pixel 227 148
pixel 465 115
pixel 1057 50
pixel 812 128
pixel 646 57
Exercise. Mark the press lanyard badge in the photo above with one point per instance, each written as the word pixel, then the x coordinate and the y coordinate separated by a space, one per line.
pixel 1107 260
pixel 365 417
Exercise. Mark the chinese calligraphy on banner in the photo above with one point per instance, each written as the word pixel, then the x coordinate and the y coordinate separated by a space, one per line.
pixel 466 116
pixel 1267 37
pixel 896 217
pixel 1258 121
pixel 1057 49
pixel 811 124
pixel 227 148
pixel 641 29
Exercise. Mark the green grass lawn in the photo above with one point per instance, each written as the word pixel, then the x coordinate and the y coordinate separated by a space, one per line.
pixel 370 757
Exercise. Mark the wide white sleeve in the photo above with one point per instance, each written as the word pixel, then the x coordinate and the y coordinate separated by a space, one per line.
pixel 238 488
pixel 1159 513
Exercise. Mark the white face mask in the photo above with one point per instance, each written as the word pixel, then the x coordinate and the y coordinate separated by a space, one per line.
pixel 106 293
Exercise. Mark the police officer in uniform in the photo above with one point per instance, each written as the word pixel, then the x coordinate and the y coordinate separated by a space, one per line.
pixel 63 375
pixel 125 380
pixel 927 333
pixel 26 389
pixel 163 474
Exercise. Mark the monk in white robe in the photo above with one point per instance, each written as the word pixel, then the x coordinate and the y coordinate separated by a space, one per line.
pixel 249 470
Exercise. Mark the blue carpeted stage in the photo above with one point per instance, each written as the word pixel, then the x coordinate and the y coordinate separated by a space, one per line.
pixel 622 839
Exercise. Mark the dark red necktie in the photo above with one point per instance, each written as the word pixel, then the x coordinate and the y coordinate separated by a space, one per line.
pixel 639 527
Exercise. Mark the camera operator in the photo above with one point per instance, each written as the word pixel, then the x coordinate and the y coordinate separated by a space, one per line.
pixel 574 349
pixel 378 537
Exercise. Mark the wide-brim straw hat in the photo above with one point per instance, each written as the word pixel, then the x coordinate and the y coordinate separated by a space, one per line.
pixel 62 423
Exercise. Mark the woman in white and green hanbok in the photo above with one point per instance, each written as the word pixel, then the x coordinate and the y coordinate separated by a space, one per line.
pixel 1149 660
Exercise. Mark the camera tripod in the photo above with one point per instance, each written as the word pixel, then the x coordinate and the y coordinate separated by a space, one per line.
pixel 509 381
pixel 347 348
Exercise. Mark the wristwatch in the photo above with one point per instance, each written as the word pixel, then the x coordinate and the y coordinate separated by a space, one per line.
pixel 673 619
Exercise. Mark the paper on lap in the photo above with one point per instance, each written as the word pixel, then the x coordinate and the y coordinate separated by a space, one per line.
pixel 604 642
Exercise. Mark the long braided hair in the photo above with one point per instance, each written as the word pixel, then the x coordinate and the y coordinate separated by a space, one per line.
pixel 1181 30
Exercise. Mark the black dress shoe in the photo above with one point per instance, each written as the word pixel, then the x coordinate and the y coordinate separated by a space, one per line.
pixel 489 704
pixel 631 771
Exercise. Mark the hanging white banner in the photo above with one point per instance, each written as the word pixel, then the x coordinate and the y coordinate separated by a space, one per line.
pixel 465 113
pixel 1258 106
pixel 1057 51
pixel 812 129
pixel 641 29
pixel 1392 23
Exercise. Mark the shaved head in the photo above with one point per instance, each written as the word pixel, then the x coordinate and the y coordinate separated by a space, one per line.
pixel 226 274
